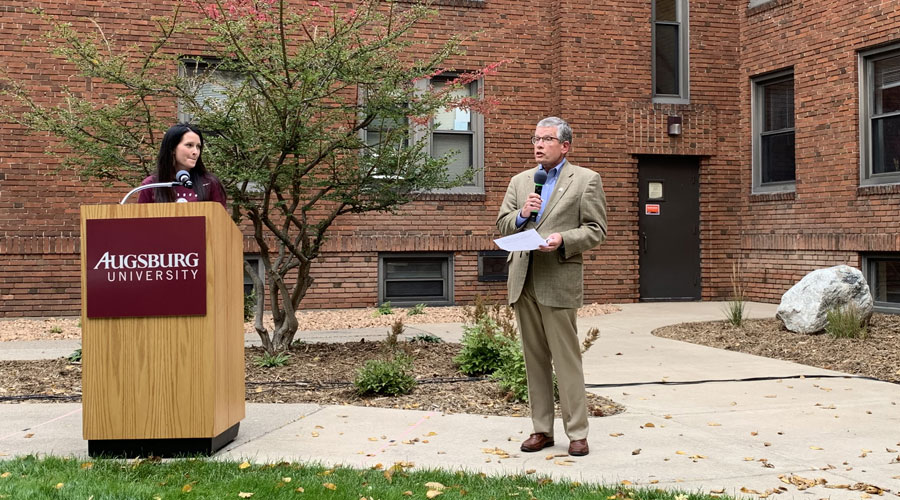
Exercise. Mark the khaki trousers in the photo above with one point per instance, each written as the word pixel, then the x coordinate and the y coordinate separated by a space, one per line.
pixel 550 339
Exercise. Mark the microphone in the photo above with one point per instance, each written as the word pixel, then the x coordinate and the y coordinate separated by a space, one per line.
pixel 185 178
pixel 540 177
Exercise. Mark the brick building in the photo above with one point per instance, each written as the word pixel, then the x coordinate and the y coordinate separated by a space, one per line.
pixel 762 137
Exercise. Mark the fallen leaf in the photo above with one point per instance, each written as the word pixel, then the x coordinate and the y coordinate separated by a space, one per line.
pixel 718 492
pixel 636 452
pixel 649 424
pixel 5 475
pixel 315 434
pixel 407 493
pixel 244 465
pixel 667 417
pixel 435 486
pixel 186 488
pixel 815 448
pixel 285 480
pixel 29 435
pixel 59 486
pixel 564 463
pixel 679 452
pixel 299 489
pixel 748 490
pixel 87 465
pixel 754 433
pixel 329 486
pixel 433 493
pixel 626 482
pixel 245 494
pixel 749 459
pixel 432 433
pixel 530 471
pixel 713 424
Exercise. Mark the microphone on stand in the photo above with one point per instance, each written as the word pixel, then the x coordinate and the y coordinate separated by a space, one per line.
pixel 540 177
pixel 185 178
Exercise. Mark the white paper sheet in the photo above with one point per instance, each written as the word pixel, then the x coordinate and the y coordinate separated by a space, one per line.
pixel 518 242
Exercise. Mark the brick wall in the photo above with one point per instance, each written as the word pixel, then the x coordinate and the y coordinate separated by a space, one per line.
pixel 586 61
pixel 829 220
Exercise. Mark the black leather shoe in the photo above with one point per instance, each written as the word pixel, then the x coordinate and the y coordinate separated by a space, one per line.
pixel 537 442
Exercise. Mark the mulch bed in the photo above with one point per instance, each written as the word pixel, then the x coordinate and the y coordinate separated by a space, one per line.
pixel 320 373
pixel 877 355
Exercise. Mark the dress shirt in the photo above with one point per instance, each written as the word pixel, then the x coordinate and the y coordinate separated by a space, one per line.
pixel 546 192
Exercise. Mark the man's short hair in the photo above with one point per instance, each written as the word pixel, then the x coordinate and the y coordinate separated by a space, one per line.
pixel 563 130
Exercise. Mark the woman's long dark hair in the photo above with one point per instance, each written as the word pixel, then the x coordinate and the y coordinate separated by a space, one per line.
pixel 165 164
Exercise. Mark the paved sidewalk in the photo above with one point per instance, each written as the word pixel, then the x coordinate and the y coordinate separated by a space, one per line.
pixel 690 423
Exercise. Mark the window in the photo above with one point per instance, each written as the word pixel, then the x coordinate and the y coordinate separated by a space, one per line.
pixel 773 133
pixel 492 265
pixel 880 116
pixel 256 263
pixel 883 274
pixel 210 84
pixel 415 278
pixel 670 51
pixel 458 132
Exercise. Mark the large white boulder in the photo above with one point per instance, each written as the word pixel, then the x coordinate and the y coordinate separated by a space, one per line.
pixel 804 308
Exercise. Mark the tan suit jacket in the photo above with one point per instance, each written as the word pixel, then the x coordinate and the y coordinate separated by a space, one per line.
pixel 576 210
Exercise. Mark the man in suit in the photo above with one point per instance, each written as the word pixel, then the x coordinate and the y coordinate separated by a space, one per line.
pixel 546 286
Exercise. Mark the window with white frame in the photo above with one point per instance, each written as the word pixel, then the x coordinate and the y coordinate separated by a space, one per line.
pixel 774 164
pixel 456 131
pixel 415 278
pixel 883 275
pixel 880 116
pixel 670 51
pixel 460 132
pixel 211 83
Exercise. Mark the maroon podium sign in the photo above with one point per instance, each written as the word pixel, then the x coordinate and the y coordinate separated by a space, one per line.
pixel 152 266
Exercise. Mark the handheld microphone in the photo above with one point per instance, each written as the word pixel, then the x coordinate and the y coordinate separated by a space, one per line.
pixel 185 178
pixel 540 177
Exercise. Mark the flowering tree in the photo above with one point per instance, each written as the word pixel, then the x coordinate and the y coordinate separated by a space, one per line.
pixel 295 93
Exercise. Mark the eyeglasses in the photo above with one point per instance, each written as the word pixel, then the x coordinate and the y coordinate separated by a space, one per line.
pixel 547 138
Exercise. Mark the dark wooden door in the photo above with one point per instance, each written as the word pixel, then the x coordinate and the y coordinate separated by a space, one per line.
pixel 669 204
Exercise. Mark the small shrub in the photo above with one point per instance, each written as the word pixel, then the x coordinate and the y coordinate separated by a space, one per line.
pixel 845 323
pixel 249 305
pixel 510 375
pixel 415 310
pixel 388 377
pixel 272 360
pixel 482 346
pixel 56 329
pixel 392 341
pixel 75 357
pixel 736 307
pixel 383 309
pixel 426 338
pixel 590 337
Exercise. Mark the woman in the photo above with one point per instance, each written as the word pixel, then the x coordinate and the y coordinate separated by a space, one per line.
pixel 181 149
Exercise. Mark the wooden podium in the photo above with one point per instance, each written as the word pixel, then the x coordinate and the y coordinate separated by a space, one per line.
pixel 163 340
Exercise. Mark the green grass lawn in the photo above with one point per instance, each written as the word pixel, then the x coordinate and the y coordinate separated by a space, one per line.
pixel 68 478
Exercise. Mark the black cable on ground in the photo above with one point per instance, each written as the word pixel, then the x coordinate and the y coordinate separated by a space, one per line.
pixel 27 397
pixel 451 380
pixel 330 384
pixel 747 379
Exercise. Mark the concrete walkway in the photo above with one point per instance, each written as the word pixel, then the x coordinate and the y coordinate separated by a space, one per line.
pixel 691 423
